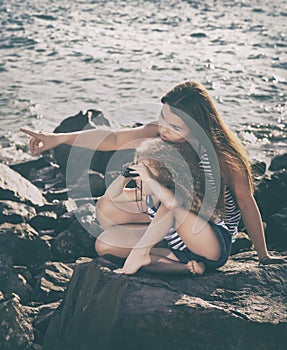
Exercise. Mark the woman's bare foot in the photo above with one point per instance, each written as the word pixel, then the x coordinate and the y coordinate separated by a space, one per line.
pixel 196 268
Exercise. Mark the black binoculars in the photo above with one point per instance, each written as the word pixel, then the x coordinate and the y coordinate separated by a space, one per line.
pixel 126 172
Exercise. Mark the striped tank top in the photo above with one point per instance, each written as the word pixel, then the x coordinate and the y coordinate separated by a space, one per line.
pixel 229 221
pixel 232 215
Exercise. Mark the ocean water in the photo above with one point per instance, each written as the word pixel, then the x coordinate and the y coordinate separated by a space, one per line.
pixel 60 57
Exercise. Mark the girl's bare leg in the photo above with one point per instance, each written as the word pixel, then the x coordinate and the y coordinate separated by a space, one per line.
pixel 119 241
pixel 110 214
pixel 197 234
pixel 164 261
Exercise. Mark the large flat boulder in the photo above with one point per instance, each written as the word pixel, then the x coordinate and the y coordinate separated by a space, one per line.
pixel 243 306
pixel 15 187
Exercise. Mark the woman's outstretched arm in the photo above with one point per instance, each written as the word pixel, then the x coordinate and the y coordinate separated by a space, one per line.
pixel 96 139
pixel 251 217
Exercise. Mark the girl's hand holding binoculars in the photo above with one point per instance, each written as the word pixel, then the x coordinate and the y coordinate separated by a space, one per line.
pixel 142 170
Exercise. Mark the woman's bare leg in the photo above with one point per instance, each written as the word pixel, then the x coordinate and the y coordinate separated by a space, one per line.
pixel 110 214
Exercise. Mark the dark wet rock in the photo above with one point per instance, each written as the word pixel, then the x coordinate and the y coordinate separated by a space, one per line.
pixel 76 241
pixel 56 194
pixel 278 162
pixel 16 188
pixel 15 212
pixel 65 221
pixel 11 281
pixel 47 207
pixel 242 243
pixel 16 331
pixel 83 120
pixel 65 206
pixel 258 168
pixel 48 177
pixel 198 35
pixel 52 282
pixel 276 233
pixel 216 310
pixel 80 158
pixel 74 161
pixel 25 272
pixel 42 318
pixel 270 194
pixel 25 168
pixel 90 184
pixel 44 221
pixel 23 243
pixel 86 218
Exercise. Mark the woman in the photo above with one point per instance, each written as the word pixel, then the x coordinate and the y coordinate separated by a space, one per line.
pixel 169 190
pixel 188 114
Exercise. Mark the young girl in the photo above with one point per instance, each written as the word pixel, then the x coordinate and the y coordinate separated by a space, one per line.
pixel 188 114
pixel 169 190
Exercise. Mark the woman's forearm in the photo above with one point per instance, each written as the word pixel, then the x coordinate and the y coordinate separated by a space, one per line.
pixel 96 139
pixel 254 226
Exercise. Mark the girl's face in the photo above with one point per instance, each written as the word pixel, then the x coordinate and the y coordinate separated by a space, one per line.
pixel 171 127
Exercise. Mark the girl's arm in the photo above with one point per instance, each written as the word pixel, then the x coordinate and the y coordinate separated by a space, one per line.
pixel 117 191
pixel 240 186
pixel 140 254
pixel 164 195
pixel 96 139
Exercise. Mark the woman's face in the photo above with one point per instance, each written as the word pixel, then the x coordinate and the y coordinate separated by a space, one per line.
pixel 171 127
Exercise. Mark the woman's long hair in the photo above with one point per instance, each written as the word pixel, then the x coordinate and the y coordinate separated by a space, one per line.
pixel 194 101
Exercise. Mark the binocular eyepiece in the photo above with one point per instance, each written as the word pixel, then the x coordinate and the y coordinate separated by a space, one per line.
pixel 126 172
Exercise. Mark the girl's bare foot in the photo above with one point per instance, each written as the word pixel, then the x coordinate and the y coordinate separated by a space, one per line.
pixel 134 262
pixel 196 268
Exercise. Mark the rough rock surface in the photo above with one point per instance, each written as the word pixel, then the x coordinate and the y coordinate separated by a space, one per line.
pixel 16 188
pixel 279 162
pixel 16 331
pixel 23 244
pixel 15 213
pixel 241 307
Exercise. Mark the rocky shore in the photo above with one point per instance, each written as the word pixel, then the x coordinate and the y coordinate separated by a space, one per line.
pixel 55 293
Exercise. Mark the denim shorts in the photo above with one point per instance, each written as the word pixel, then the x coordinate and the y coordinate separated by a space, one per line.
pixel 224 240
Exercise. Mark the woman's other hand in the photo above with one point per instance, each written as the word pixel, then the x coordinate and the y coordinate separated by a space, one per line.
pixel 269 260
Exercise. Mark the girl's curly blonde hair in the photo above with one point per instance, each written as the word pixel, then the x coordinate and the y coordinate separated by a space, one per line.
pixel 178 170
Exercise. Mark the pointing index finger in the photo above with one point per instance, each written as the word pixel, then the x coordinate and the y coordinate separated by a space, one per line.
pixel 29 132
